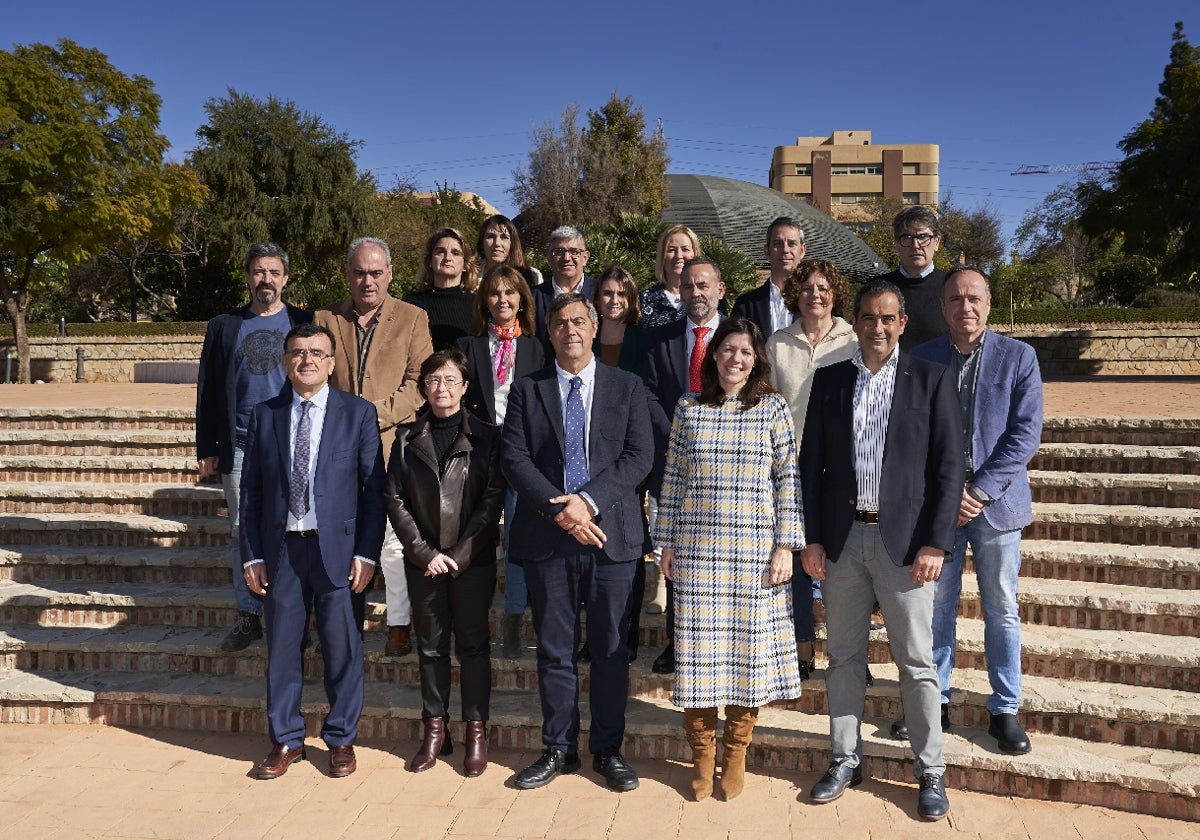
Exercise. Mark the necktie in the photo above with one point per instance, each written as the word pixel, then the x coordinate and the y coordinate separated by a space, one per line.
pixel 576 469
pixel 697 357
pixel 298 495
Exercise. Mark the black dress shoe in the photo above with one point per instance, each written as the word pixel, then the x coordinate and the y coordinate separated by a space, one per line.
pixel 870 679
pixel 664 663
pixel 1009 735
pixel 542 772
pixel 932 803
pixel 247 629
pixel 835 781
pixel 807 666
pixel 616 772
pixel 900 730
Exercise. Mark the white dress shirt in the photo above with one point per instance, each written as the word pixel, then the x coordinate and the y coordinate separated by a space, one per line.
pixel 872 407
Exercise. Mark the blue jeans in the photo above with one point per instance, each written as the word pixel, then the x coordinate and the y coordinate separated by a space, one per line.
pixel 997 564
pixel 247 601
pixel 516 594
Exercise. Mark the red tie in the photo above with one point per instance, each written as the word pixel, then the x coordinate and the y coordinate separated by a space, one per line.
pixel 697 357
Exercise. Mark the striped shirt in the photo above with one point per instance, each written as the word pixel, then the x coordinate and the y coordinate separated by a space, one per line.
pixel 872 407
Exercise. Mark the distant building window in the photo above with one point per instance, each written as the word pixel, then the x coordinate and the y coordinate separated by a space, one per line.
pixel 858 169
pixel 911 198
pixel 910 169
pixel 859 227
pixel 804 169
pixel 853 198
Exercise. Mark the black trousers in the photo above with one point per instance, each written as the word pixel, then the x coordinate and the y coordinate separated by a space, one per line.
pixel 445 605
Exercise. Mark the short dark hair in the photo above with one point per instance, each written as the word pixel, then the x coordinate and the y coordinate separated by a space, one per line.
pixel 918 214
pixel 876 288
pixel 633 313
pixel 265 249
pixel 757 384
pixel 838 285
pixel 448 356
pixel 566 299
pixel 702 260
pixel 308 330
pixel 783 221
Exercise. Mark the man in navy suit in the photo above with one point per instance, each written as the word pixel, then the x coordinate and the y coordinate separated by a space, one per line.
pixel 312 513
pixel 881 471
pixel 672 369
pixel 567 254
pixel 764 305
pixel 1000 394
pixel 577 444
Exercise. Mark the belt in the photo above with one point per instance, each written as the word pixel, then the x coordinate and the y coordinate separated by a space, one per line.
pixel 311 532
pixel 867 517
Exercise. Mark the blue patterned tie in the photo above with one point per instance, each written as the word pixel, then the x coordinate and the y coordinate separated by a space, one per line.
pixel 298 495
pixel 577 470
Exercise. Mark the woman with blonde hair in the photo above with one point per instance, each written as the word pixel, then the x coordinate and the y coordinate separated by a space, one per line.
pixel 661 303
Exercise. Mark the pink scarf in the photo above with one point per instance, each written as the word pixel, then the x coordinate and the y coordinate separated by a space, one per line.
pixel 506 357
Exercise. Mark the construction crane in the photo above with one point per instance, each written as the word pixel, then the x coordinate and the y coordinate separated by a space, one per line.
pixel 1104 166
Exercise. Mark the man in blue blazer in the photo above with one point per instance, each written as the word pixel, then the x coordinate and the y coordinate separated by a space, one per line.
pixel 1000 393
pixel 312 513
pixel 567 254
pixel 577 444
pixel 881 469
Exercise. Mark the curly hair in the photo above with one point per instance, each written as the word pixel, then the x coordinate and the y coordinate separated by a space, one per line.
pixel 839 285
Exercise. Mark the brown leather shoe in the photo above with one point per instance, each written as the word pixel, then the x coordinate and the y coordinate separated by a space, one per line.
pixel 437 742
pixel 475 748
pixel 277 763
pixel 342 761
pixel 399 641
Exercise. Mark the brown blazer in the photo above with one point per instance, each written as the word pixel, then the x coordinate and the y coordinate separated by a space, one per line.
pixel 400 345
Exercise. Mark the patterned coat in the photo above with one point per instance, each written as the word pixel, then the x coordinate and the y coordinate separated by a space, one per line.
pixel 730 495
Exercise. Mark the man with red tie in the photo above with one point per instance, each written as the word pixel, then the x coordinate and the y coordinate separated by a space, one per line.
pixel 673 356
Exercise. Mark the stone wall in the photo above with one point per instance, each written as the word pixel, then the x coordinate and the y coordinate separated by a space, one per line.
pixel 160 358
pixel 1126 350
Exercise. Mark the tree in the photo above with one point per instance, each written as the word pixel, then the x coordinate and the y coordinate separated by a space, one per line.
pixel 1150 204
pixel 591 175
pixel 876 228
pixel 81 167
pixel 281 174
pixel 974 235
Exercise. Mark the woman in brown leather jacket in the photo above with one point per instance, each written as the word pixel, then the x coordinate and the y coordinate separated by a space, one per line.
pixel 445 492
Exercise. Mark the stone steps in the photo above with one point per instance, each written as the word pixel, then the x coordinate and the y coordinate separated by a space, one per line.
pixel 1137 778
pixel 1125 431
pixel 1142 489
pixel 94 442
pixel 157 499
pixel 116 418
pixel 97 529
pixel 99 468
pixel 1113 458
pixel 48 565
pixel 1155 566
pixel 1123 525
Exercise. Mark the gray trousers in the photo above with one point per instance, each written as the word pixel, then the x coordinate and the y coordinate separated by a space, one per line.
pixel 863 574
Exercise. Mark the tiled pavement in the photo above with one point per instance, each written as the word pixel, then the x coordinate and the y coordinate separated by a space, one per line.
pixel 79 782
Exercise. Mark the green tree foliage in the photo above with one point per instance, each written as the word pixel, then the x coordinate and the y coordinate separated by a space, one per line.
pixel 974 236
pixel 281 174
pixel 631 242
pixel 81 168
pixel 1150 206
pixel 590 175
pixel 876 229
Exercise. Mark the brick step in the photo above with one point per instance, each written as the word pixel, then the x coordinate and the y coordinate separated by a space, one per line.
pixel 48 565
pixel 1134 778
pixel 101 529
pixel 157 499
pixel 1100 606
pixel 99 468
pixel 1142 489
pixel 1131 565
pixel 1123 431
pixel 118 419
pixel 1126 525
pixel 1111 458
pixel 1119 714
pixel 114 442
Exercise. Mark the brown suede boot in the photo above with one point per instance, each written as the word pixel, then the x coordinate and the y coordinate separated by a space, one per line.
pixel 700 727
pixel 739 727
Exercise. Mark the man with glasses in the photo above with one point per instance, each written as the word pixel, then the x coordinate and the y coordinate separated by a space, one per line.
pixel 240 367
pixel 567 253
pixel 381 344
pixel 917 236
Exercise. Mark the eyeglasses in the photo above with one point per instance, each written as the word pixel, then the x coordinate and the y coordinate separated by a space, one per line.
pixel 439 381
pixel 315 355
pixel 559 253
pixel 921 239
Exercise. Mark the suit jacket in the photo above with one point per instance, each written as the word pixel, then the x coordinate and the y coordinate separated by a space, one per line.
pixel 216 384
pixel 756 305
pixel 1006 421
pixel 455 511
pixel 348 484
pixel 543 296
pixel 922 478
pixel 480 397
pixel 620 454
pixel 400 345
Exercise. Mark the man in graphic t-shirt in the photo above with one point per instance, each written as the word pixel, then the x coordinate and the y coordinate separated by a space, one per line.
pixel 239 368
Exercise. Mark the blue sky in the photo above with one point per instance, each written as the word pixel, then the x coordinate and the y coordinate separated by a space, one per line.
pixel 451 92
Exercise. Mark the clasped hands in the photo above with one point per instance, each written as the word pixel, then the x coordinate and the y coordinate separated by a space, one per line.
pixel 576 519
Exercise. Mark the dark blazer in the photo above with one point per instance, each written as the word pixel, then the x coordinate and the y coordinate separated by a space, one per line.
pixel 633 349
pixel 620 454
pixel 348 484
pixel 480 396
pixel 756 305
pixel 923 465
pixel 216 384
pixel 543 296
pixel 454 512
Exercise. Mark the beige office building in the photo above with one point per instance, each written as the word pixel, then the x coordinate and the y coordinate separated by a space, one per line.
pixel 839 172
